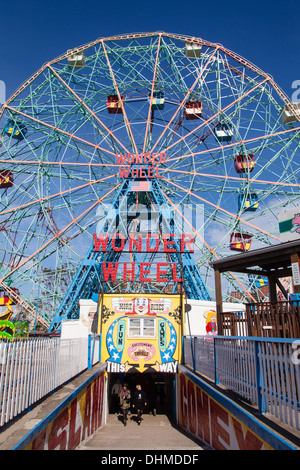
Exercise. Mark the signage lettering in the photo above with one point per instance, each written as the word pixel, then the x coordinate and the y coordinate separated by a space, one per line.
pixel 146 164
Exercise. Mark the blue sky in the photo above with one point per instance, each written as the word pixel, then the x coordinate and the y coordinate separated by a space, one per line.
pixel 264 32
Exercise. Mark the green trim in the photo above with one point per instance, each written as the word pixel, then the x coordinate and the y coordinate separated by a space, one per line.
pixel 286 225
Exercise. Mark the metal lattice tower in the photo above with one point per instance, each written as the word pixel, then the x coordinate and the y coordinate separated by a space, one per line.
pixel 88 280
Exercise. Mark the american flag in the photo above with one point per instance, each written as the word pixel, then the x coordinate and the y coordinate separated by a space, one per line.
pixel 141 186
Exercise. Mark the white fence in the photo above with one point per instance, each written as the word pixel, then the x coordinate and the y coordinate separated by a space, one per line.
pixel 32 369
pixel 264 371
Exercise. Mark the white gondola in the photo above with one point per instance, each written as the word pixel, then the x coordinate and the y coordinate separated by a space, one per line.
pixel 288 116
pixel 223 132
pixel 193 50
pixel 77 60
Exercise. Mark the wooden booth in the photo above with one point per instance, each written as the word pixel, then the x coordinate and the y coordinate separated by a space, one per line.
pixel 274 318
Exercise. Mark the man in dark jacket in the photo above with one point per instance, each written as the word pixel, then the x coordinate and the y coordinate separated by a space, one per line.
pixel 125 397
pixel 139 402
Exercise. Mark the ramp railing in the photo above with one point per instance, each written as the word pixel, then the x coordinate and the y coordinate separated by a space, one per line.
pixel 263 371
pixel 29 370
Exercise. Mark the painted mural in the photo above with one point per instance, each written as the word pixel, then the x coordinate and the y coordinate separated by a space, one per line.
pixel 219 424
pixel 65 429
pixel 141 333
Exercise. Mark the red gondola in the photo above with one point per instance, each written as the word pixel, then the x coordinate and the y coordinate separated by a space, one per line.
pixel 244 163
pixel 240 242
pixel 6 179
pixel 193 109
pixel 114 105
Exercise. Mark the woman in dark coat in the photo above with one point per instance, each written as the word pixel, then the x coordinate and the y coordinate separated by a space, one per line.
pixel 139 402
pixel 125 397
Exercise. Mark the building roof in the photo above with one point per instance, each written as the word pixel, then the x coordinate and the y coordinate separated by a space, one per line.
pixel 275 259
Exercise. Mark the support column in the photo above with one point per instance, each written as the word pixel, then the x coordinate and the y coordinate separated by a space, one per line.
pixel 272 289
pixel 219 304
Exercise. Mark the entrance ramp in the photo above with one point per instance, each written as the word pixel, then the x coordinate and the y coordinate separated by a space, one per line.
pixel 154 433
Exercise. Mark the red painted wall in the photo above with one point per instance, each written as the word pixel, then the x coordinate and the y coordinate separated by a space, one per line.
pixel 74 423
pixel 204 418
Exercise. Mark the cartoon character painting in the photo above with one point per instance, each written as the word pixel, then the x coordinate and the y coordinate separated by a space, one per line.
pixel 296 224
pixel 211 322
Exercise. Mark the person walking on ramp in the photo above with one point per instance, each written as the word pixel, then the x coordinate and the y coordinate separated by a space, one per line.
pixel 139 402
pixel 125 397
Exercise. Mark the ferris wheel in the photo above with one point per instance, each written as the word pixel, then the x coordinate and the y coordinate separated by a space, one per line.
pixel 226 135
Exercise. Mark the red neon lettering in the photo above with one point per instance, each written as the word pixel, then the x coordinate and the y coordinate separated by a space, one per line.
pixel 124 171
pixel 121 158
pixel 130 158
pixel 174 268
pixel 150 170
pixel 133 241
pixel 142 172
pixel 157 173
pixel 135 172
pixel 120 242
pixel 184 242
pixel 144 271
pixel 129 271
pixel 100 241
pixel 163 157
pixel 148 243
pixel 159 272
pixel 110 270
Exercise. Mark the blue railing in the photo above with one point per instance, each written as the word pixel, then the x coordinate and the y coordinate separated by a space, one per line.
pixel 263 371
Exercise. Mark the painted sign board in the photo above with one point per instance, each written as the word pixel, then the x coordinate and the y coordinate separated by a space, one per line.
pixel 296 274
pixel 289 224
pixel 140 333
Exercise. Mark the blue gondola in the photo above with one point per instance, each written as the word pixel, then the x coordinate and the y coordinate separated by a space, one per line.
pixel 15 129
pixel 248 203
pixel 223 132
pixel 158 99
pixel 261 281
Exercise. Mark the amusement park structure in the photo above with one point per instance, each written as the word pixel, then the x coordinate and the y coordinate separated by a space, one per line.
pixel 129 164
